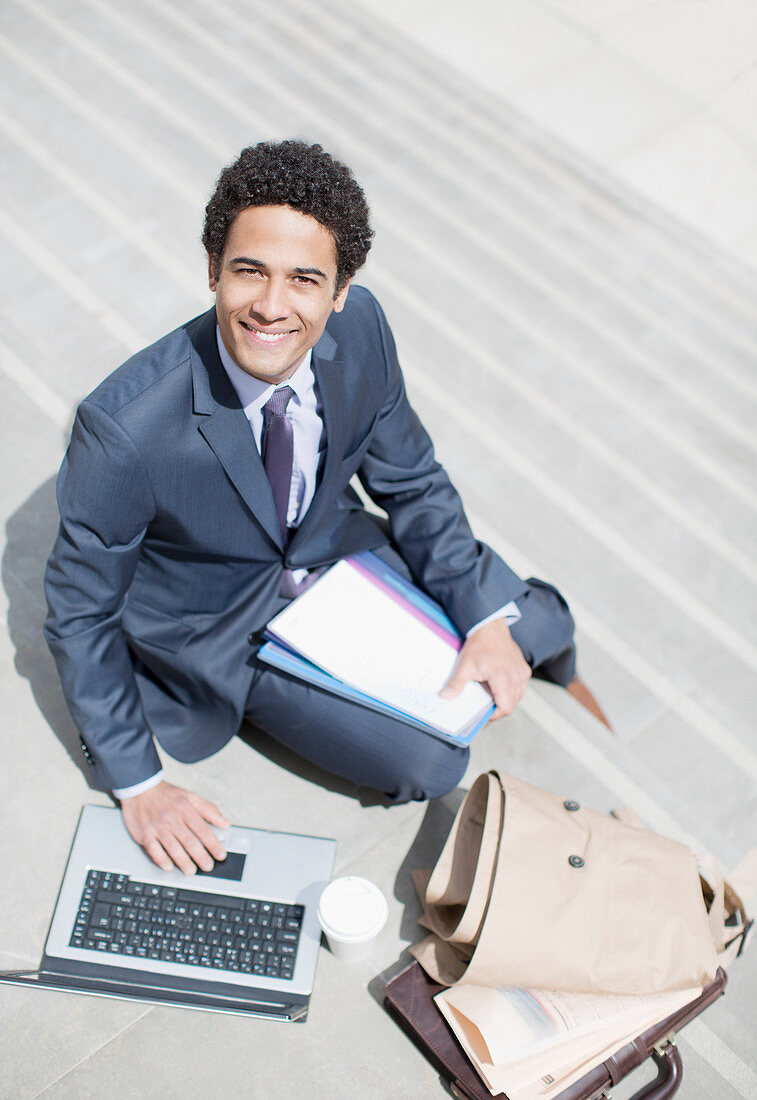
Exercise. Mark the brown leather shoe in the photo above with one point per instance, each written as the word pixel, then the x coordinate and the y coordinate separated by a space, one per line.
pixel 578 689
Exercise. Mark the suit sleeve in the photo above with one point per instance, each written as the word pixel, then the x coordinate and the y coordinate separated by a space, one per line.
pixel 106 504
pixel 429 525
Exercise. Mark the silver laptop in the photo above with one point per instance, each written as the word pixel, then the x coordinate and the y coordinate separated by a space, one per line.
pixel 241 938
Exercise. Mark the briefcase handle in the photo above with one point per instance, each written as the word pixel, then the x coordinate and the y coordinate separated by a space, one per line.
pixel 667 1058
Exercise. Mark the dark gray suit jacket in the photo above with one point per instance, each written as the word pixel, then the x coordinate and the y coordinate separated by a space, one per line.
pixel 169 553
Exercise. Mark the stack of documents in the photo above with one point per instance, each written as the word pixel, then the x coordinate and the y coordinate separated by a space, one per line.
pixel 532 1044
pixel 366 633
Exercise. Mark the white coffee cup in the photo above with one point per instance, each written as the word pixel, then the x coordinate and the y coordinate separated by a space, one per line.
pixel 352 912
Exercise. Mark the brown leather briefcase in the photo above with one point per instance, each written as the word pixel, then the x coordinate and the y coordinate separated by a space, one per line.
pixel 409 998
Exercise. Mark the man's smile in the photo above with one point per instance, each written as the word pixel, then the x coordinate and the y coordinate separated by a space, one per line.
pixel 264 336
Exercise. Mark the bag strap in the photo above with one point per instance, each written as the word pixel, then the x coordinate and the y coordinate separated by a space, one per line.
pixel 741 883
pixel 729 922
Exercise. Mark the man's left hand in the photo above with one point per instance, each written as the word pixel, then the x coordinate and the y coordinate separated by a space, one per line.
pixel 491 657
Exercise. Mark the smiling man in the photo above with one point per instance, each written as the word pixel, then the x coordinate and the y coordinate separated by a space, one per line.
pixel 270 308
pixel 207 482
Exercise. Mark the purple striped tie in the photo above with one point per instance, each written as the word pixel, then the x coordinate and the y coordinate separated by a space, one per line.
pixel 277 449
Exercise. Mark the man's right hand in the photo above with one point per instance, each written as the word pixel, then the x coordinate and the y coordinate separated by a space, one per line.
pixel 173 827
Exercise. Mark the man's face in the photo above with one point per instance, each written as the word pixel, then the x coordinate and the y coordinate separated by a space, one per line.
pixel 274 289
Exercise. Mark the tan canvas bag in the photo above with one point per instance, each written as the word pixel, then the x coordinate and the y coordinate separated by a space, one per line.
pixel 534 890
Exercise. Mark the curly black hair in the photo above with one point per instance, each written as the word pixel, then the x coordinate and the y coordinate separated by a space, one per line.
pixel 305 177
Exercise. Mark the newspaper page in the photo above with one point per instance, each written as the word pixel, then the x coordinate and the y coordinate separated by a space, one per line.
pixel 533 1043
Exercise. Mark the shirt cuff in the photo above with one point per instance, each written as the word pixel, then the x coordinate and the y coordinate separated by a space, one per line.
pixel 509 612
pixel 130 792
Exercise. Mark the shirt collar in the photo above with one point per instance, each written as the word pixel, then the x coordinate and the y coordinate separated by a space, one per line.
pixel 252 392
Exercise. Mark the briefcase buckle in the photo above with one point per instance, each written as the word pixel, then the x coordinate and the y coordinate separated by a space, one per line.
pixel 669 1040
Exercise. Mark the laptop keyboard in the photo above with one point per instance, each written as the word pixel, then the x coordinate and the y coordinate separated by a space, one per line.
pixel 123 917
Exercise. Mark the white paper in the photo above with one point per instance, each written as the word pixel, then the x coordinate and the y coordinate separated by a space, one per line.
pixel 354 630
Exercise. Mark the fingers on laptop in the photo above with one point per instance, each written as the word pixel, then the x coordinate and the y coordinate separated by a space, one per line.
pixel 173 827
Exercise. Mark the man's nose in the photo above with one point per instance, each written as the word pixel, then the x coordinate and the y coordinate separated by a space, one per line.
pixel 270 303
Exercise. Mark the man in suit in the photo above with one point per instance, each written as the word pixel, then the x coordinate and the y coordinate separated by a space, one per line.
pixel 180 536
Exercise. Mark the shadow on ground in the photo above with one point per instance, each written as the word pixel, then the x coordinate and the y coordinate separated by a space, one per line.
pixel 30 533
pixel 422 853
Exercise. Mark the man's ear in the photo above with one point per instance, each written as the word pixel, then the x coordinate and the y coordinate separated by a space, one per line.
pixel 341 297
pixel 212 273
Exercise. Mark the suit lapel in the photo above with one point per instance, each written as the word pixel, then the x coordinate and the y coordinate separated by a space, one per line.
pixel 226 429
pixel 228 433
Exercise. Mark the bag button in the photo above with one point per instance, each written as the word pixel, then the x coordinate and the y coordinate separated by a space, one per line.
pixel 575 861
pixel 569 804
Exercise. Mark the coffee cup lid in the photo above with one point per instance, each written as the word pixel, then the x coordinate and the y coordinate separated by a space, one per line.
pixel 352 908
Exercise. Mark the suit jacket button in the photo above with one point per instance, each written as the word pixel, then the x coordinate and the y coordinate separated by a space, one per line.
pixel 253 639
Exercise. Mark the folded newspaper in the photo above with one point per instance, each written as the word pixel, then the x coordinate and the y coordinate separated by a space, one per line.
pixel 532 1044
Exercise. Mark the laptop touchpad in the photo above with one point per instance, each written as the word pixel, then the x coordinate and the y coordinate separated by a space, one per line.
pixel 230 868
